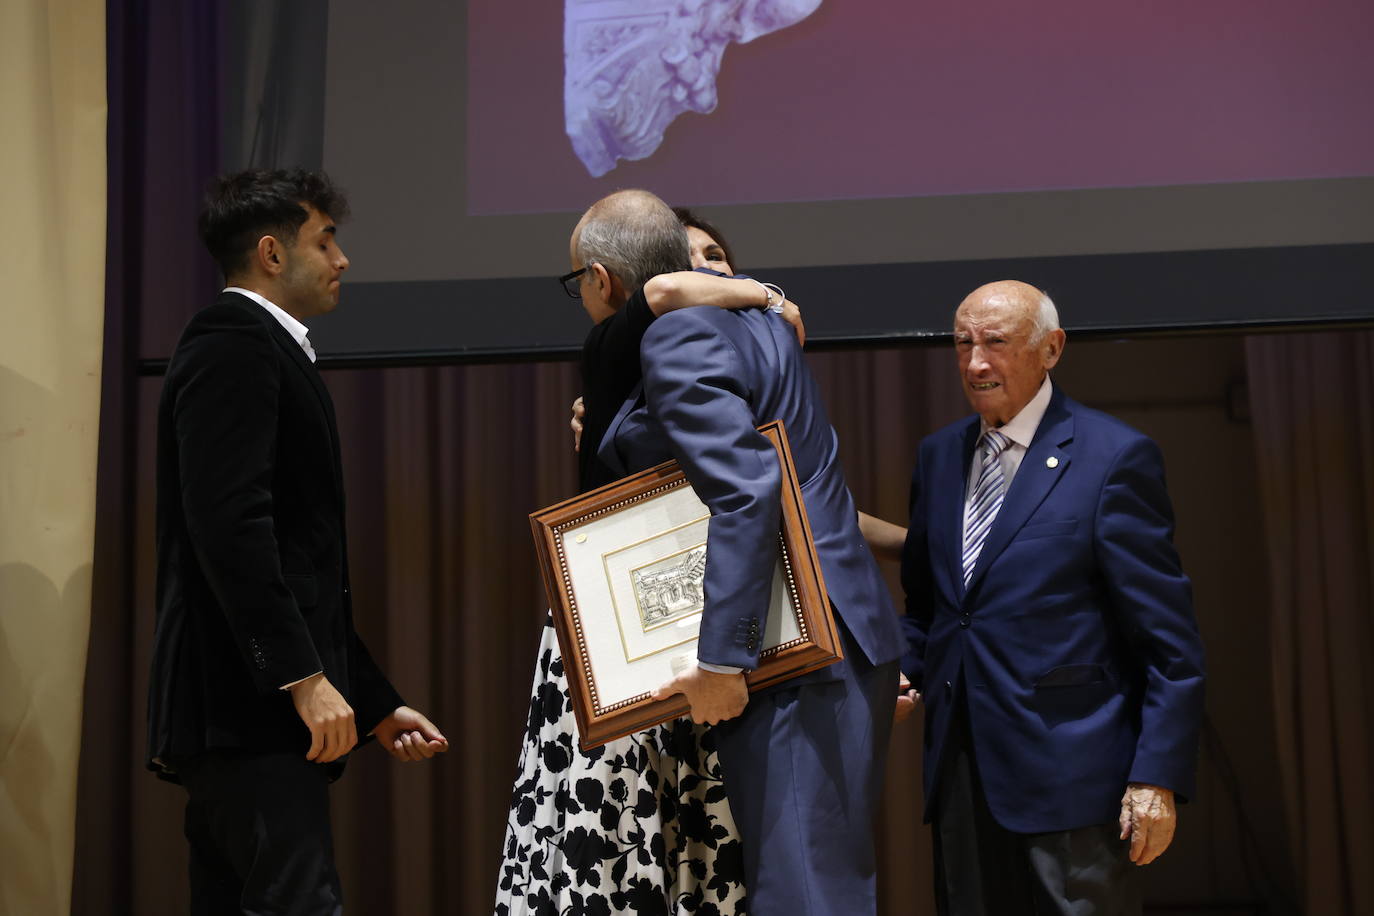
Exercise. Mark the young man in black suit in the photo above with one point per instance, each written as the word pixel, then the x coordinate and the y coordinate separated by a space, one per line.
pixel 260 684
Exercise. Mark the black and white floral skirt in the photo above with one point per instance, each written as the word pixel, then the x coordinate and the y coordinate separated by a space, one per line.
pixel 640 825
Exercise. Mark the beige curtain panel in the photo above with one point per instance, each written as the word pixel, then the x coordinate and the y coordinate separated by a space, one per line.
pixel 52 256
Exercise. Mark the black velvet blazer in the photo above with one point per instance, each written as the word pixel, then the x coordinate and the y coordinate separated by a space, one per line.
pixel 252 577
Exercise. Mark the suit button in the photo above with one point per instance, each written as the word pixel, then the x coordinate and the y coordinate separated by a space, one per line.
pixel 949 686
pixel 750 645
pixel 965 620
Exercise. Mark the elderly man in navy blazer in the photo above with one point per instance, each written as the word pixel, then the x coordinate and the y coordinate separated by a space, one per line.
pixel 1050 633
pixel 803 762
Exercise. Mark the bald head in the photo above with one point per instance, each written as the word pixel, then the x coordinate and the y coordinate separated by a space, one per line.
pixel 1019 299
pixel 634 205
pixel 634 235
pixel 1007 336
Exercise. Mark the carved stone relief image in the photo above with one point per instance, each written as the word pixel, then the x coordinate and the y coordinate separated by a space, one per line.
pixel 630 67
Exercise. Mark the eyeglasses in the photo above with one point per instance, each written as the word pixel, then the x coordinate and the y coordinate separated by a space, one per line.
pixel 571 283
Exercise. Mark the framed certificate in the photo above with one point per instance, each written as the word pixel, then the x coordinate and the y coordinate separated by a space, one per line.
pixel 624 567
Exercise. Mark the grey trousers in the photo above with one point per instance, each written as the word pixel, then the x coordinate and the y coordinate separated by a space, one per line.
pixel 983 869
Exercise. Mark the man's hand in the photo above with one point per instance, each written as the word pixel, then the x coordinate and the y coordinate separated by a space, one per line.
pixel 408 735
pixel 792 315
pixel 578 412
pixel 328 716
pixel 907 698
pixel 713 697
pixel 1148 817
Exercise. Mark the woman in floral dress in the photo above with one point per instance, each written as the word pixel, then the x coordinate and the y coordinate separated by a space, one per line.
pixel 642 824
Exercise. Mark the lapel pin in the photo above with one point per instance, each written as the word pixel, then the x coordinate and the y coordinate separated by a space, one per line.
pixel 1051 462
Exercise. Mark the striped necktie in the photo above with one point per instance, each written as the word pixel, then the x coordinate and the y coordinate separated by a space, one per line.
pixel 986 500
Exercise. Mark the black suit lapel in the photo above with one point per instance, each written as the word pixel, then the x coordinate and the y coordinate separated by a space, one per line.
pixel 1041 469
pixel 295 353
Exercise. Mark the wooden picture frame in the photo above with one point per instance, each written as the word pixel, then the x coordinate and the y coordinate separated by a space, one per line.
pixel 622 567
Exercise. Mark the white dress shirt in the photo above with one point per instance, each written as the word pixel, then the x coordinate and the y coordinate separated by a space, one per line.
pixel 1020 430
pixel 293 327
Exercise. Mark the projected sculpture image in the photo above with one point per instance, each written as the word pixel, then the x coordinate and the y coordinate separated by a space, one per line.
pixel 631 66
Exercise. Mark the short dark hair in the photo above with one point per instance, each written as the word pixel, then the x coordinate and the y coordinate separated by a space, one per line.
pixel 243 207
pixel 691 220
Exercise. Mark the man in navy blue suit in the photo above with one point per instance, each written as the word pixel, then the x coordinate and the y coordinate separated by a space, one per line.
pixel 1050 633
pixel 803 762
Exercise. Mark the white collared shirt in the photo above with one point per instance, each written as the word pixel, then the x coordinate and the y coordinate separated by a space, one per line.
pixel 293 327
pixel 1020 430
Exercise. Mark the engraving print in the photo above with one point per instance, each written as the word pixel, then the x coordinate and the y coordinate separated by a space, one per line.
pixel 630 67
pixel 670 588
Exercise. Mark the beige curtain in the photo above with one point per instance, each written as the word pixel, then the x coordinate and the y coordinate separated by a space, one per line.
pixel 52 258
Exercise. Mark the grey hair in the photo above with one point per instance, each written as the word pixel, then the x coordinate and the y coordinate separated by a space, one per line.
pixel 1045 319
pixel 635 236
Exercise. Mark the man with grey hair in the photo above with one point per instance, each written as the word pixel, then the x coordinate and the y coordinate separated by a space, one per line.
pixel 803 761
pixel 624 240
pixel 1050 633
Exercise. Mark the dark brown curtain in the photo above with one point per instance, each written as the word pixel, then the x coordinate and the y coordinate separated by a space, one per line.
pixel 1312 397
pixel 881 403
pixel 443 465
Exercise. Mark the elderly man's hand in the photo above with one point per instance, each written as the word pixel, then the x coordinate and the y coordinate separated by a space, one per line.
pixel 713 697
pixel 1149 818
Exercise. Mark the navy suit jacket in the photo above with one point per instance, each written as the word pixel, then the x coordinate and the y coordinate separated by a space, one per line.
pixel 1075 639
pixel 711 376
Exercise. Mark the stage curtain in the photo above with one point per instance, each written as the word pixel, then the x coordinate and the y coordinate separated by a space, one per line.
pixel 162 88
pixel 1312 398
pixel 52 249
pixel 442 467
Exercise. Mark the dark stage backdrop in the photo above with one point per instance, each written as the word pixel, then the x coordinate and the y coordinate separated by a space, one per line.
pixel 1160 165
pixel 443 463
